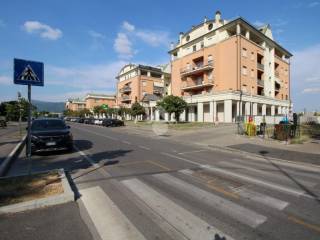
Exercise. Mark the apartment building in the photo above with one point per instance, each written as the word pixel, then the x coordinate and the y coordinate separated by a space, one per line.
pixel 76 104
pixel 93 99
pixel 90 101
pixel 224 69
pixel 143 84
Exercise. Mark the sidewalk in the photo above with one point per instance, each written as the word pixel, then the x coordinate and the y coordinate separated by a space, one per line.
pixel 9 138
pixel 51 223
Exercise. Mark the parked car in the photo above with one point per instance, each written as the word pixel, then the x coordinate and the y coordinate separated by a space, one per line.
pixel 89 121
pixel 50 134
pixel 112 122
pixel 98 121
pixel 81 120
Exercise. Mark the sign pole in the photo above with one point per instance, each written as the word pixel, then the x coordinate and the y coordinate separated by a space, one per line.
pixel 29 130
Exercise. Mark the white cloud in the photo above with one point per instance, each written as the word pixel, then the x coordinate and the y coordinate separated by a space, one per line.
pixel 5 80
pixel 154 38
pixel 123 46
pixel 85 77
pixel 311 90
pixel 313 4
pixel 95 34
pixel 128 27
pixel 44 30
pixel 258 23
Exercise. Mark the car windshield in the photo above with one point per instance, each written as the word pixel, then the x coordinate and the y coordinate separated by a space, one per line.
pixel 47 125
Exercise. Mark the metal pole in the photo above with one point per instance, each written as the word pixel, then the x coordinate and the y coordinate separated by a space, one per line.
pixel 29 130
pixel 19 102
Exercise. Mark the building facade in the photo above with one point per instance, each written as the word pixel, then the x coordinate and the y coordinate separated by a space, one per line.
pixel 225 69
pixel 90 101
pixel 75 104
pixel 142 84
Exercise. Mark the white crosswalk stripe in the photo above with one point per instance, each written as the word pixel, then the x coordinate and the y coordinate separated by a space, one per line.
pixel 184 221
pixel 109 221
pixel 252 195
pixel 227 207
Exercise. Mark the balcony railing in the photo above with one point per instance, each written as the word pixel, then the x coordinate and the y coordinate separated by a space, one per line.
pixel 157 90
pixel 192 86
pixel 125 89
pixel 196 68
pixel 260 66
pixel 125 98
pixel 260 83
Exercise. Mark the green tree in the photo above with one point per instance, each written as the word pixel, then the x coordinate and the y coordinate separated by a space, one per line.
pixel 122 111
pixel 14 108
pixel 97 110
pixel 85 112
pixel 173 104
pixel 136 110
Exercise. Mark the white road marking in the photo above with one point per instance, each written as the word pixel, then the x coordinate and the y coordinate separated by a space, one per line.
pixel 257 181
pixel 181 158
pixel 263 199
pixel 195 151
pixel 109 221
pixel 266 173
pixel 227 207
pixel 251 195
pixel 185 222
pixel 144 147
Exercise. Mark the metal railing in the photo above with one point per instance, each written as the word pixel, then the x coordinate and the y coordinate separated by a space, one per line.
pixel 260 66
pixel 197 67
pixel 125 98
pixel 197 84
pixel 157 89
pixel 125 89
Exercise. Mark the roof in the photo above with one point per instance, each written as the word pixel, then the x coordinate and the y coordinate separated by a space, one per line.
pixel 97 95
pixel 234 21
pixel 150 97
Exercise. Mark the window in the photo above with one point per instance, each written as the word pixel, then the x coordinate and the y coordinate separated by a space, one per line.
pixel 188 38
pixel 244 52
pixel 244 70
pixel 194 48
pixel 202 44
pixel 210 26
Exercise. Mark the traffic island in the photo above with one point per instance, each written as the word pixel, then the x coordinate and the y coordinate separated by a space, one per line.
pixel 26 192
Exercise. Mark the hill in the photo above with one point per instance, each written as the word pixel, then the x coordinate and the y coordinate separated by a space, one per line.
pixel 56 107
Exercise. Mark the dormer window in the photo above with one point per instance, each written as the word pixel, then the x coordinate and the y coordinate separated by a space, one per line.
pixel 210 26
pixel 188 38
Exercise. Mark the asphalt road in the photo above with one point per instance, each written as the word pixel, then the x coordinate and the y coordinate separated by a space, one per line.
pixel 132 186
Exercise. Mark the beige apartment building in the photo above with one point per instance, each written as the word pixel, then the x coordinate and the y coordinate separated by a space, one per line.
pixel 224 69
pixel 90 101
pixel 143 84
pixel 76 104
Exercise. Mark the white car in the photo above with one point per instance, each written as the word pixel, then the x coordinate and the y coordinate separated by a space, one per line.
pixel 98 122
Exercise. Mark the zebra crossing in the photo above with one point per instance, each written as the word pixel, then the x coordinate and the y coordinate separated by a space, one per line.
pixel 156 197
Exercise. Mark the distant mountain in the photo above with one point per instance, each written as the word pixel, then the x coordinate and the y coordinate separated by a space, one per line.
pixel 56 107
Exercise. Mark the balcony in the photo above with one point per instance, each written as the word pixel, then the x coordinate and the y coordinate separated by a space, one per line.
pixel 157 90
pixel 125 99
pixel 194 86
pixel 196 68
pixel 260 66
pixel 125 89
pixel 260 83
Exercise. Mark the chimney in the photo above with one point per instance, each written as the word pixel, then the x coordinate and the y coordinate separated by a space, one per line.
pixel 205 19
pixel 180 37
pixel 218 16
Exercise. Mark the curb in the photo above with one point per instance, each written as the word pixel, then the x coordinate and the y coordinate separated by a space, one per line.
pixel 66 196
pixel 12 155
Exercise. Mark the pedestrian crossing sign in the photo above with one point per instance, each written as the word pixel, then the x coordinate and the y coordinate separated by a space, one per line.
pixel 28 72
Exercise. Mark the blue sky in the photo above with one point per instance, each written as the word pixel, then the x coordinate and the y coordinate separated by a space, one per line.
pixel 84 43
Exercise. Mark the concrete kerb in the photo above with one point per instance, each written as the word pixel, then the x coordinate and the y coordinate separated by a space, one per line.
pixel 66 196
pixel 12 155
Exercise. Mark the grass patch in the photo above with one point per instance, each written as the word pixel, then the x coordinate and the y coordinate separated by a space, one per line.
pixel 25 188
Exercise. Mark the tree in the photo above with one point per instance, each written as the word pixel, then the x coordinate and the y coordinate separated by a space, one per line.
pixel 136 110
pixel 85 112
pixel 173 104
pixel 14 108
pixel 122 111
pixel 97 110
